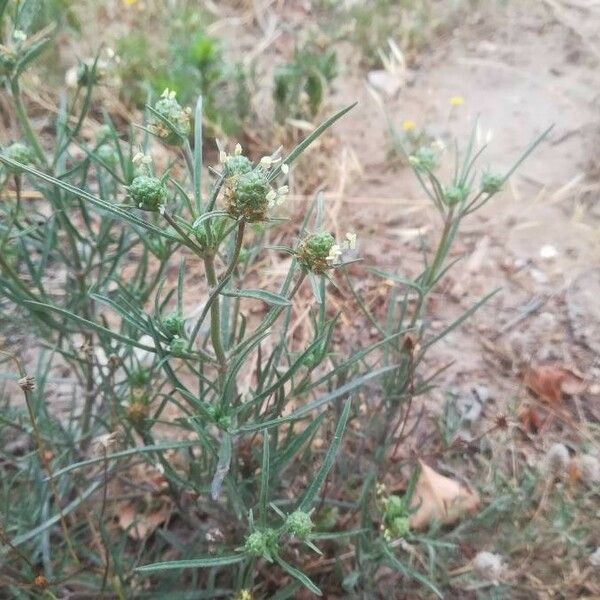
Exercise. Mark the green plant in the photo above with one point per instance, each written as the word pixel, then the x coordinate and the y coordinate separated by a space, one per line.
pixel 191 62
pixel 188 385
pixel 300 86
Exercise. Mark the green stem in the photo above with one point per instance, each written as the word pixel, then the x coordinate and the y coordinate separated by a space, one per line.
pixel 217 287
pixel 24 122
pixel 215 313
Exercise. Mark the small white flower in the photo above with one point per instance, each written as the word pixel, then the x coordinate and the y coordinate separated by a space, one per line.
pixel 283 190
pixel 334 253
pixel 162 209
pixel 285 168
pixel 167 93
pixel 71 77
pixel 271 197
pixel 141 158
pixel 19 36
pixel 238 149
pixel 351 240
pixel 266 162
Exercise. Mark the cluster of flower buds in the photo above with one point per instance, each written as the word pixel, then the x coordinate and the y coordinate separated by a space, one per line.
pixel 455 194
pixel 172 122
pixel 262 543
pixel 396 522
pixel 14 52
pixel 319 251
pixel 491 183
pixel 299 524
pixel 424 159
pixel 248 191
pixel 20 153
pixel 147 192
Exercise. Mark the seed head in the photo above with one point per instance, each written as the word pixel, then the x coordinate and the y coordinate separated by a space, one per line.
pixel 173 324
pixel 20 153
pixel 247 196
pixel 27 383
pixel 137 412
pixel 491 183
pixel 236 165
pixel 314 252
pixel 176 131
pixel 148 193
pixel 261 543
pixel 300 524
pixel 178 346
pixel 423 160
pixel 455 194
pixel 107 155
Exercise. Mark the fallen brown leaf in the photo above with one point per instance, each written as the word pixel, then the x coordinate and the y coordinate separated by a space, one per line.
pixel 550 382
pixel 139 525
pixel 440 498
pixel 531 420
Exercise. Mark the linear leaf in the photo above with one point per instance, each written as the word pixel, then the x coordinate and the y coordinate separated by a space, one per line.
pixel 194 563
pixel 307 141
pixel 315 485
pixel 325 399
pixel 299 575
pixel 264 295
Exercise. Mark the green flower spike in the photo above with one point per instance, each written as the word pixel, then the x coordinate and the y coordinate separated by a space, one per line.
pixel 21 153
pixel 315 252
pixel 176 131
pixel 148 193
pixel 300 524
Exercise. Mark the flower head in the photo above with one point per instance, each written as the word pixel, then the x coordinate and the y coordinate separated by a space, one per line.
pixel 20 153
pixel 249 195
pixel 423 160
pixel 491 183
pixel 148 193
pixel 455 194
pixel 300 524
pixel 172 122
pixel 457 101
pixel 408 125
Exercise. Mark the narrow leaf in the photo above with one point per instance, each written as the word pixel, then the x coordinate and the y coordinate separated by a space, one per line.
pixel 315 485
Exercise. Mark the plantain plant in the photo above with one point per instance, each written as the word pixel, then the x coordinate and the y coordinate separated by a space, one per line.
pixel 102 272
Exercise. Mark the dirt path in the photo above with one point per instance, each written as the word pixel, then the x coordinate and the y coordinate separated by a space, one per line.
pixel 521 70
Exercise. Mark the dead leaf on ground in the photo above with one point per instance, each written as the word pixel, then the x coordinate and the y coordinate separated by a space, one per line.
pixel 440 498
pixel 550 382
pixel 139 525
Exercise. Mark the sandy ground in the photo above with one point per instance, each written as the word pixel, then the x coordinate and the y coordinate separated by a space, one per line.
pixel 519 69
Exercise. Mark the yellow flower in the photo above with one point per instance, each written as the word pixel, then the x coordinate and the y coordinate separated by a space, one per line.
pixel 408 125
pixel 457 101
pixel 129 2
pixel 244 595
